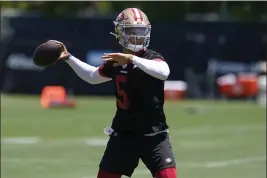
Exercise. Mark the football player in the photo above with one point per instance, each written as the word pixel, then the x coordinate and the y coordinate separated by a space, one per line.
pixel 139 129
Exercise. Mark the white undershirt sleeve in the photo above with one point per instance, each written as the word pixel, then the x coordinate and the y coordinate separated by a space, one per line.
pixel 86 72
pixel 156 68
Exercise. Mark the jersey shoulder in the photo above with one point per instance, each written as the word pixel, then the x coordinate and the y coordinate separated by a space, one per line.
pixel 151 54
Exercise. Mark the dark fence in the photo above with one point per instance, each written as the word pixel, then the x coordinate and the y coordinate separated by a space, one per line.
pixel 184 45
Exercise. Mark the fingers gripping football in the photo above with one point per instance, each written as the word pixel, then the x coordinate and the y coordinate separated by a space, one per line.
pixel 64 52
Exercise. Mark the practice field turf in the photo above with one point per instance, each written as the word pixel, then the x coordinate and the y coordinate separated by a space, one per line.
pixel 210 139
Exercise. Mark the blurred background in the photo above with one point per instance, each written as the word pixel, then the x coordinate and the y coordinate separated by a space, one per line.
pixel 215 94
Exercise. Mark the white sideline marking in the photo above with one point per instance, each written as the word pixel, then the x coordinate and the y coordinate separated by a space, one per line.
pixel 205 144
pixel 33 161
pixel 44 161
pixel 235 162
pixel 96 142
pixel 20 140
pixel 207 129
pixel 223 163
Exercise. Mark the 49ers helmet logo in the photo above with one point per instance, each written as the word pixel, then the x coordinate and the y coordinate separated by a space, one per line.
pixel 120 17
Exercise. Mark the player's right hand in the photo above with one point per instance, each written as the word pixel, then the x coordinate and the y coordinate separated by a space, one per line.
pixel 64 52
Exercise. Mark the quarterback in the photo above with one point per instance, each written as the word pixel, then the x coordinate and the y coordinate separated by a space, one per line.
pixel 139 129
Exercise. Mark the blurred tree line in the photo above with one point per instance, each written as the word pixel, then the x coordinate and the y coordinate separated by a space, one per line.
pixel 246 10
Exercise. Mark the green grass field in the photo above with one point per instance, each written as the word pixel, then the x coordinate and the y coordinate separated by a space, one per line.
pixel 224 140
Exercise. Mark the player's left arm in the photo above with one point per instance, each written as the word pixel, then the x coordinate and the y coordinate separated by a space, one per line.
pixel 157 67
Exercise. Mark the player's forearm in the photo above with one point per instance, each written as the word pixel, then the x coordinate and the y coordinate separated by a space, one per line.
pixel 157 69
pixel 85 71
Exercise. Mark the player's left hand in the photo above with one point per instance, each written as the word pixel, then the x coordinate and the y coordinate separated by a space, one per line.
pixel 118 58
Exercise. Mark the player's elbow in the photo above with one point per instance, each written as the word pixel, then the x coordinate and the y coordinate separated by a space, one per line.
pixel 95 82
pixel 89 80
pixel 92 80
pixel 95 78
pixel 164 76
pixel 165 73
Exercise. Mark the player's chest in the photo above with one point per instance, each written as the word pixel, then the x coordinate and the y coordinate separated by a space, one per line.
pixel 128 74
pixel 129 70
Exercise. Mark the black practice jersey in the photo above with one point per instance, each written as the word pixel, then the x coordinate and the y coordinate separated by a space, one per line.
pixel 140 97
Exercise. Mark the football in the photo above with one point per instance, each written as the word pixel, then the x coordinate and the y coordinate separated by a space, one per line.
pixel 46 54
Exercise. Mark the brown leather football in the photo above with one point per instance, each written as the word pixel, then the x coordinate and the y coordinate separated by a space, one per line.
pixel 46 54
